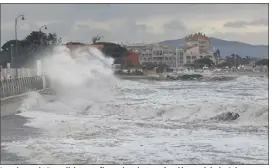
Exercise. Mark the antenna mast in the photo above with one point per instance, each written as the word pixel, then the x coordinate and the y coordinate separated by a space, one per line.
pixel 96 38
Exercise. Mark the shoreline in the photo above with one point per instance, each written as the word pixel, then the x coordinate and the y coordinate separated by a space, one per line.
pixel 212 75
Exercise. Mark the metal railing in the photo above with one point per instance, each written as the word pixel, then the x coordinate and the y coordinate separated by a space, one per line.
pixel 17 86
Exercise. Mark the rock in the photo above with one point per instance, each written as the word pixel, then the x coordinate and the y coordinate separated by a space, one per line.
pixel 170 77
pixel 189 77
pixel 226 116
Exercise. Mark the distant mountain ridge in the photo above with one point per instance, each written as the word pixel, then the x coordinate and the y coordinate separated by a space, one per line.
pixel 228 47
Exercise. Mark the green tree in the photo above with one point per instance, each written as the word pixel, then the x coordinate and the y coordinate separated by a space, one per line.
pixel 224 64
pixel 35 42
pixel 204 61
pixel 38 37
pixel 6 46
pixel 216 54
pixel 263 62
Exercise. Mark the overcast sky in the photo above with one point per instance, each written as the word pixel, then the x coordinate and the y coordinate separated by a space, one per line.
pixel 139 22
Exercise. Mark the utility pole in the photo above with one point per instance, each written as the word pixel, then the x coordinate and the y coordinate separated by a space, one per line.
pixel 11 54
pixel 42 36
pixel 177 59
pixel 16 41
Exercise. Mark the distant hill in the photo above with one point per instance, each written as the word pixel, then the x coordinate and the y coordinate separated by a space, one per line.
pixel 228 47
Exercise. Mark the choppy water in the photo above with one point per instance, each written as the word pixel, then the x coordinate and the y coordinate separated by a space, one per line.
pixel 148 122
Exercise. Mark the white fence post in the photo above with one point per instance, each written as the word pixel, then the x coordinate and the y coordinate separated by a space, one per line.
pixel 8 75
pixel 39 68
pixel 39 72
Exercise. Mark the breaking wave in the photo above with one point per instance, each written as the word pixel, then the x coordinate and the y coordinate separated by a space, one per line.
pixel 92 112
pixel 78 79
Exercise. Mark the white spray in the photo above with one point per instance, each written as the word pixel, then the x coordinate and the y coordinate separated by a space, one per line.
pixel 79 78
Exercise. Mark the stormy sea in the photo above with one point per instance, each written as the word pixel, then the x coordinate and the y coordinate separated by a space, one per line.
pixel 93 117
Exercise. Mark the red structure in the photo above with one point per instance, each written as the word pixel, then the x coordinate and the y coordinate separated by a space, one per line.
pixel 132 60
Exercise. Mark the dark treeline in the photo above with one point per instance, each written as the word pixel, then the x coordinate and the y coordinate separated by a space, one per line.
pixel 28 50
pixel 263 62
pixel 233 60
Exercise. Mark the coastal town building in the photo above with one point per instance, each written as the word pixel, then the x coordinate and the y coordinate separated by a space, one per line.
pixel 158 54
pixel 197 46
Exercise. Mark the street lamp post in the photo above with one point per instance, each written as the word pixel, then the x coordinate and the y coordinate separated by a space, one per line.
pixel 44 26
pixel 40 29
pixel 11 53
pixel 16 41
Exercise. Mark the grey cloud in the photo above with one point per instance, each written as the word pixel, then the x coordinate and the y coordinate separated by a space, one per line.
pixel 129 30
pixel 7 35
pixel 61 18
pixel 83 27
pixel 120 32
pixel 109 11
pixel 174 29
pixel 84 35
pixel 262 21
pixel 247 37
pixel 243 24
pixel 174 25
pixel 236 24
pixel 62 28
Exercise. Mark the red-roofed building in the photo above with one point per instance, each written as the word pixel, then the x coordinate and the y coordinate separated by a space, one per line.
pixel 132 60
pixel 197 46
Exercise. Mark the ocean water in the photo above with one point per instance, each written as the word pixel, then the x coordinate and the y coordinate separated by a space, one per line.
pixel 95 118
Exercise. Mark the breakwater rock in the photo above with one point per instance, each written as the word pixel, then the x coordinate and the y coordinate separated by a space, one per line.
pixel 199 77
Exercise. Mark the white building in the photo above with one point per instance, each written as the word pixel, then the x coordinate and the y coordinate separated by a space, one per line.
pixel 158 53
pixel 179 57
pixel 197 46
